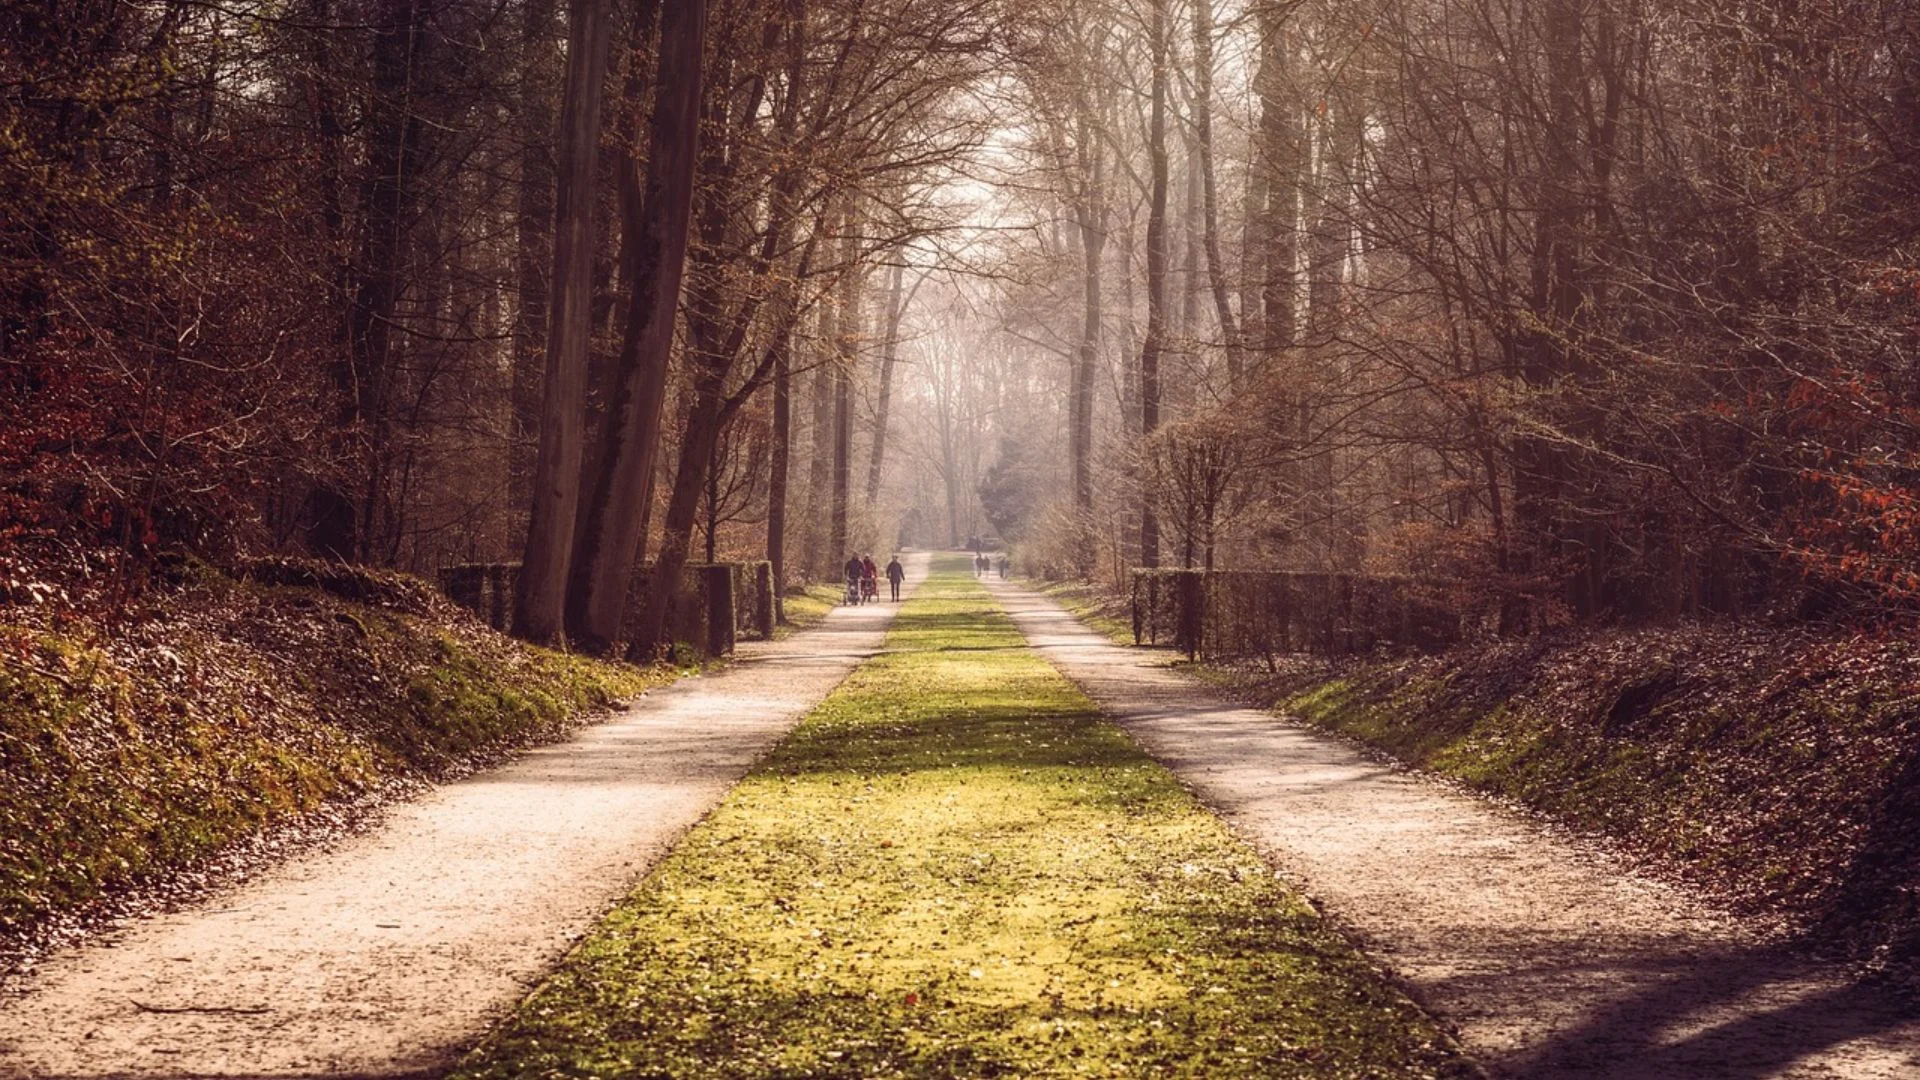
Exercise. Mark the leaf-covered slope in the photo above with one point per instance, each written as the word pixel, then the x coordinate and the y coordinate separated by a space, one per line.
pixel 222 705
pixel 1781 769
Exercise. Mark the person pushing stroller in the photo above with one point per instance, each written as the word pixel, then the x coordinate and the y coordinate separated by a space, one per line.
pixel 869 579
pixel 855 570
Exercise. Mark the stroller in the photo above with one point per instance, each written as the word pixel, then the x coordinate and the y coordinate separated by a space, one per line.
pixel 869 588
pixel 854 590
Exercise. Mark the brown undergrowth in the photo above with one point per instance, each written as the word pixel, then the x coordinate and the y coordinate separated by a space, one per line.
pixel 218 705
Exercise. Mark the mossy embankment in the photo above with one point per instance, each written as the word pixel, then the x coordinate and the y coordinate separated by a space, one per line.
pixel 955 868
pixel 1777 768
pixel 219 705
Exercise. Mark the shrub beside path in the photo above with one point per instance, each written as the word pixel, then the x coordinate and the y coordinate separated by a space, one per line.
pixel 1549 962
pixel 389 954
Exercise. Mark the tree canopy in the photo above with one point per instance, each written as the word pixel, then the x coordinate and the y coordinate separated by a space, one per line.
pixel 1581 310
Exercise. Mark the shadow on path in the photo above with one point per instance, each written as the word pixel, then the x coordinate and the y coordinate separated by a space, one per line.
pixel 1737 1014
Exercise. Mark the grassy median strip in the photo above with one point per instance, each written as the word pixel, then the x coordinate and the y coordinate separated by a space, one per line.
pixel 954 868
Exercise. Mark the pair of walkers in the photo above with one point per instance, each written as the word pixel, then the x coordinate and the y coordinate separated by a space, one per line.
pixel 982 566
pixel 863 578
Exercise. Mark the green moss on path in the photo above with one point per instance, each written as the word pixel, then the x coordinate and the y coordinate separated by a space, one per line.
pixel 955 867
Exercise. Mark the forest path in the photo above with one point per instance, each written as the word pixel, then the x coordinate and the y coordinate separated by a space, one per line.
pixel 1549 962
pixel 389 954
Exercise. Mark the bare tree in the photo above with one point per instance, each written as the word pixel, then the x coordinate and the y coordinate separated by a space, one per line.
pixel 1209 187
pixel 897 300
pixel 541 599
pixel 533 228
pixel 1155 341
pixel 631 439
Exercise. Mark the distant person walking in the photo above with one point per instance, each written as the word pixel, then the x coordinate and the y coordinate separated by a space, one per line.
pixel 1003 568
pixel 869 579
pixel 895 575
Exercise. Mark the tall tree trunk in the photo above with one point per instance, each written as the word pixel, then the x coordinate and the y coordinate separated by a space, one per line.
pixel 1210 199
pixel 715 338
pixel 846 360
pixel 1328 250
pixel 1331 228
pixel 1151 348
pixel 943 395
pixel 616 224
pixel 1282 159
pixel 951 479
pixel 783 356
pixel 1253 256
pixel 714 461
pixel 395 156
pixel 1275 237
pixel 631 438
pixel 1177 397
pixel 896 311
pixel 540 602
pixel 820 448
pixel 777 471
pixel 532 249
pixel 1543 480
pixel 842 383
pixel 1090 217
pixel 328 515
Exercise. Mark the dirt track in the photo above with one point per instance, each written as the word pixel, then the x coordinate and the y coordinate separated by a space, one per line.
pixel 1550 963
pixel 391 953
